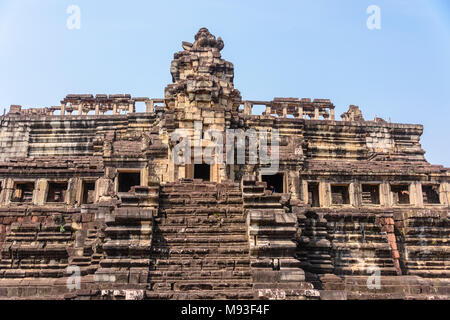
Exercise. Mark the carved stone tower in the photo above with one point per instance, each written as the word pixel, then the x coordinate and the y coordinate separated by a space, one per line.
pixel 203 96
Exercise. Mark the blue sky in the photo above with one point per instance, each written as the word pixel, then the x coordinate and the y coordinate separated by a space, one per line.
pixel 315 49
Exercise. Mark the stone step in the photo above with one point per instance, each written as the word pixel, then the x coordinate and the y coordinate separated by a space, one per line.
pixel 200 295
pixel 124 263
pixel 232 230
pixel 241 276
pixel 127 247
pixel 35 273
pixel 359 246
pixel 354 270
pixel 128 230
pixel 201 240
pixel 194 263
pixel 210 251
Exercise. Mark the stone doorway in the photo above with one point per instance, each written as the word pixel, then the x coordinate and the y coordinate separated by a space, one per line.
pixel 274 182
pixel 128 179
pixel 202 171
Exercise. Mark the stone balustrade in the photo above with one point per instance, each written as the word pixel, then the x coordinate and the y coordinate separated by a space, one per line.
pixel 88 104
pixel 318 109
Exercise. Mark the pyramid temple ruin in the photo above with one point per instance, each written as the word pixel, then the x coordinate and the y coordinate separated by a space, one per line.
pixel 95 203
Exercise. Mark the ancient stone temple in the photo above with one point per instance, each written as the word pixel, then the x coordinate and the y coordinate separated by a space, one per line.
pixel 99 201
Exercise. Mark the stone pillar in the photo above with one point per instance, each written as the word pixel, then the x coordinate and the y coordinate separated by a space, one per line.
pixel 8 190
pixel 189 170
pixel 80 109
pixel 79 190
pixel 324 194
pixel 316 113
pixel 304 191
pixel 444 193
pixel 285 110
pixel 40 192
pixel 293 184
pixel 144 177
pixel 415 194
pixel 385 195
pixel 412 193
pixel 300 112
pixel 248 108
pixel 171 168
pixel 354 190
pixel 97 109
pixel 63 109
pixel 131 108
pixel 73 186
pixel 182 170
pixel 114 108
pixel 332 116
pixel 214 173
pixel 149 106
pixel 268 110
pixel 2 192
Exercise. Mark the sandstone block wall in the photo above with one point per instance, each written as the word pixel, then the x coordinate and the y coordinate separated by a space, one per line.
pixel 93 206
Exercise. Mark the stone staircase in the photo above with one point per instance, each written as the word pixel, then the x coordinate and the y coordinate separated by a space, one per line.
pixel 423 238
pixel 272 229
pixel 393 287
pixel 344 252
pixel 200 247
pixel 41 254
pixel 313 245
pixel 74 139
pixel 33 250
pixel 128 239
pixel 358 243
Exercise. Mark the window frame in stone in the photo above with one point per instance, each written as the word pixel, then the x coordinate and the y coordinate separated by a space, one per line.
pixel 64 191
pixel 124 171
pixel 378 189
pixel 310 198
pixel 283 181
pixel 2 187
pixel 85 182
pixel 203 167
pixel 23 182
pixel 397 185
pixel 428 185
pixel 340 185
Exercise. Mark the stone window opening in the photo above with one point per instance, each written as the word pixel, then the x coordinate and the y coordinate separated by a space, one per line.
pixel 400 194
pixel 430 194
pixel 23 192
pixel 275 183
pixel 370 194
pixel 129 179
pixel 57 192
pixel 140 106
pixel 340 194
pixel 202 171
pixel 313 194
pixel 88 192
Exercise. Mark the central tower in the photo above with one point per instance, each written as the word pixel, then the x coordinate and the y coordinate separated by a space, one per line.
pixel 201 97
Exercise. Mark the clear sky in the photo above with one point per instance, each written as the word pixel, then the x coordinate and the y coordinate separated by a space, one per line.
pixel 305 49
